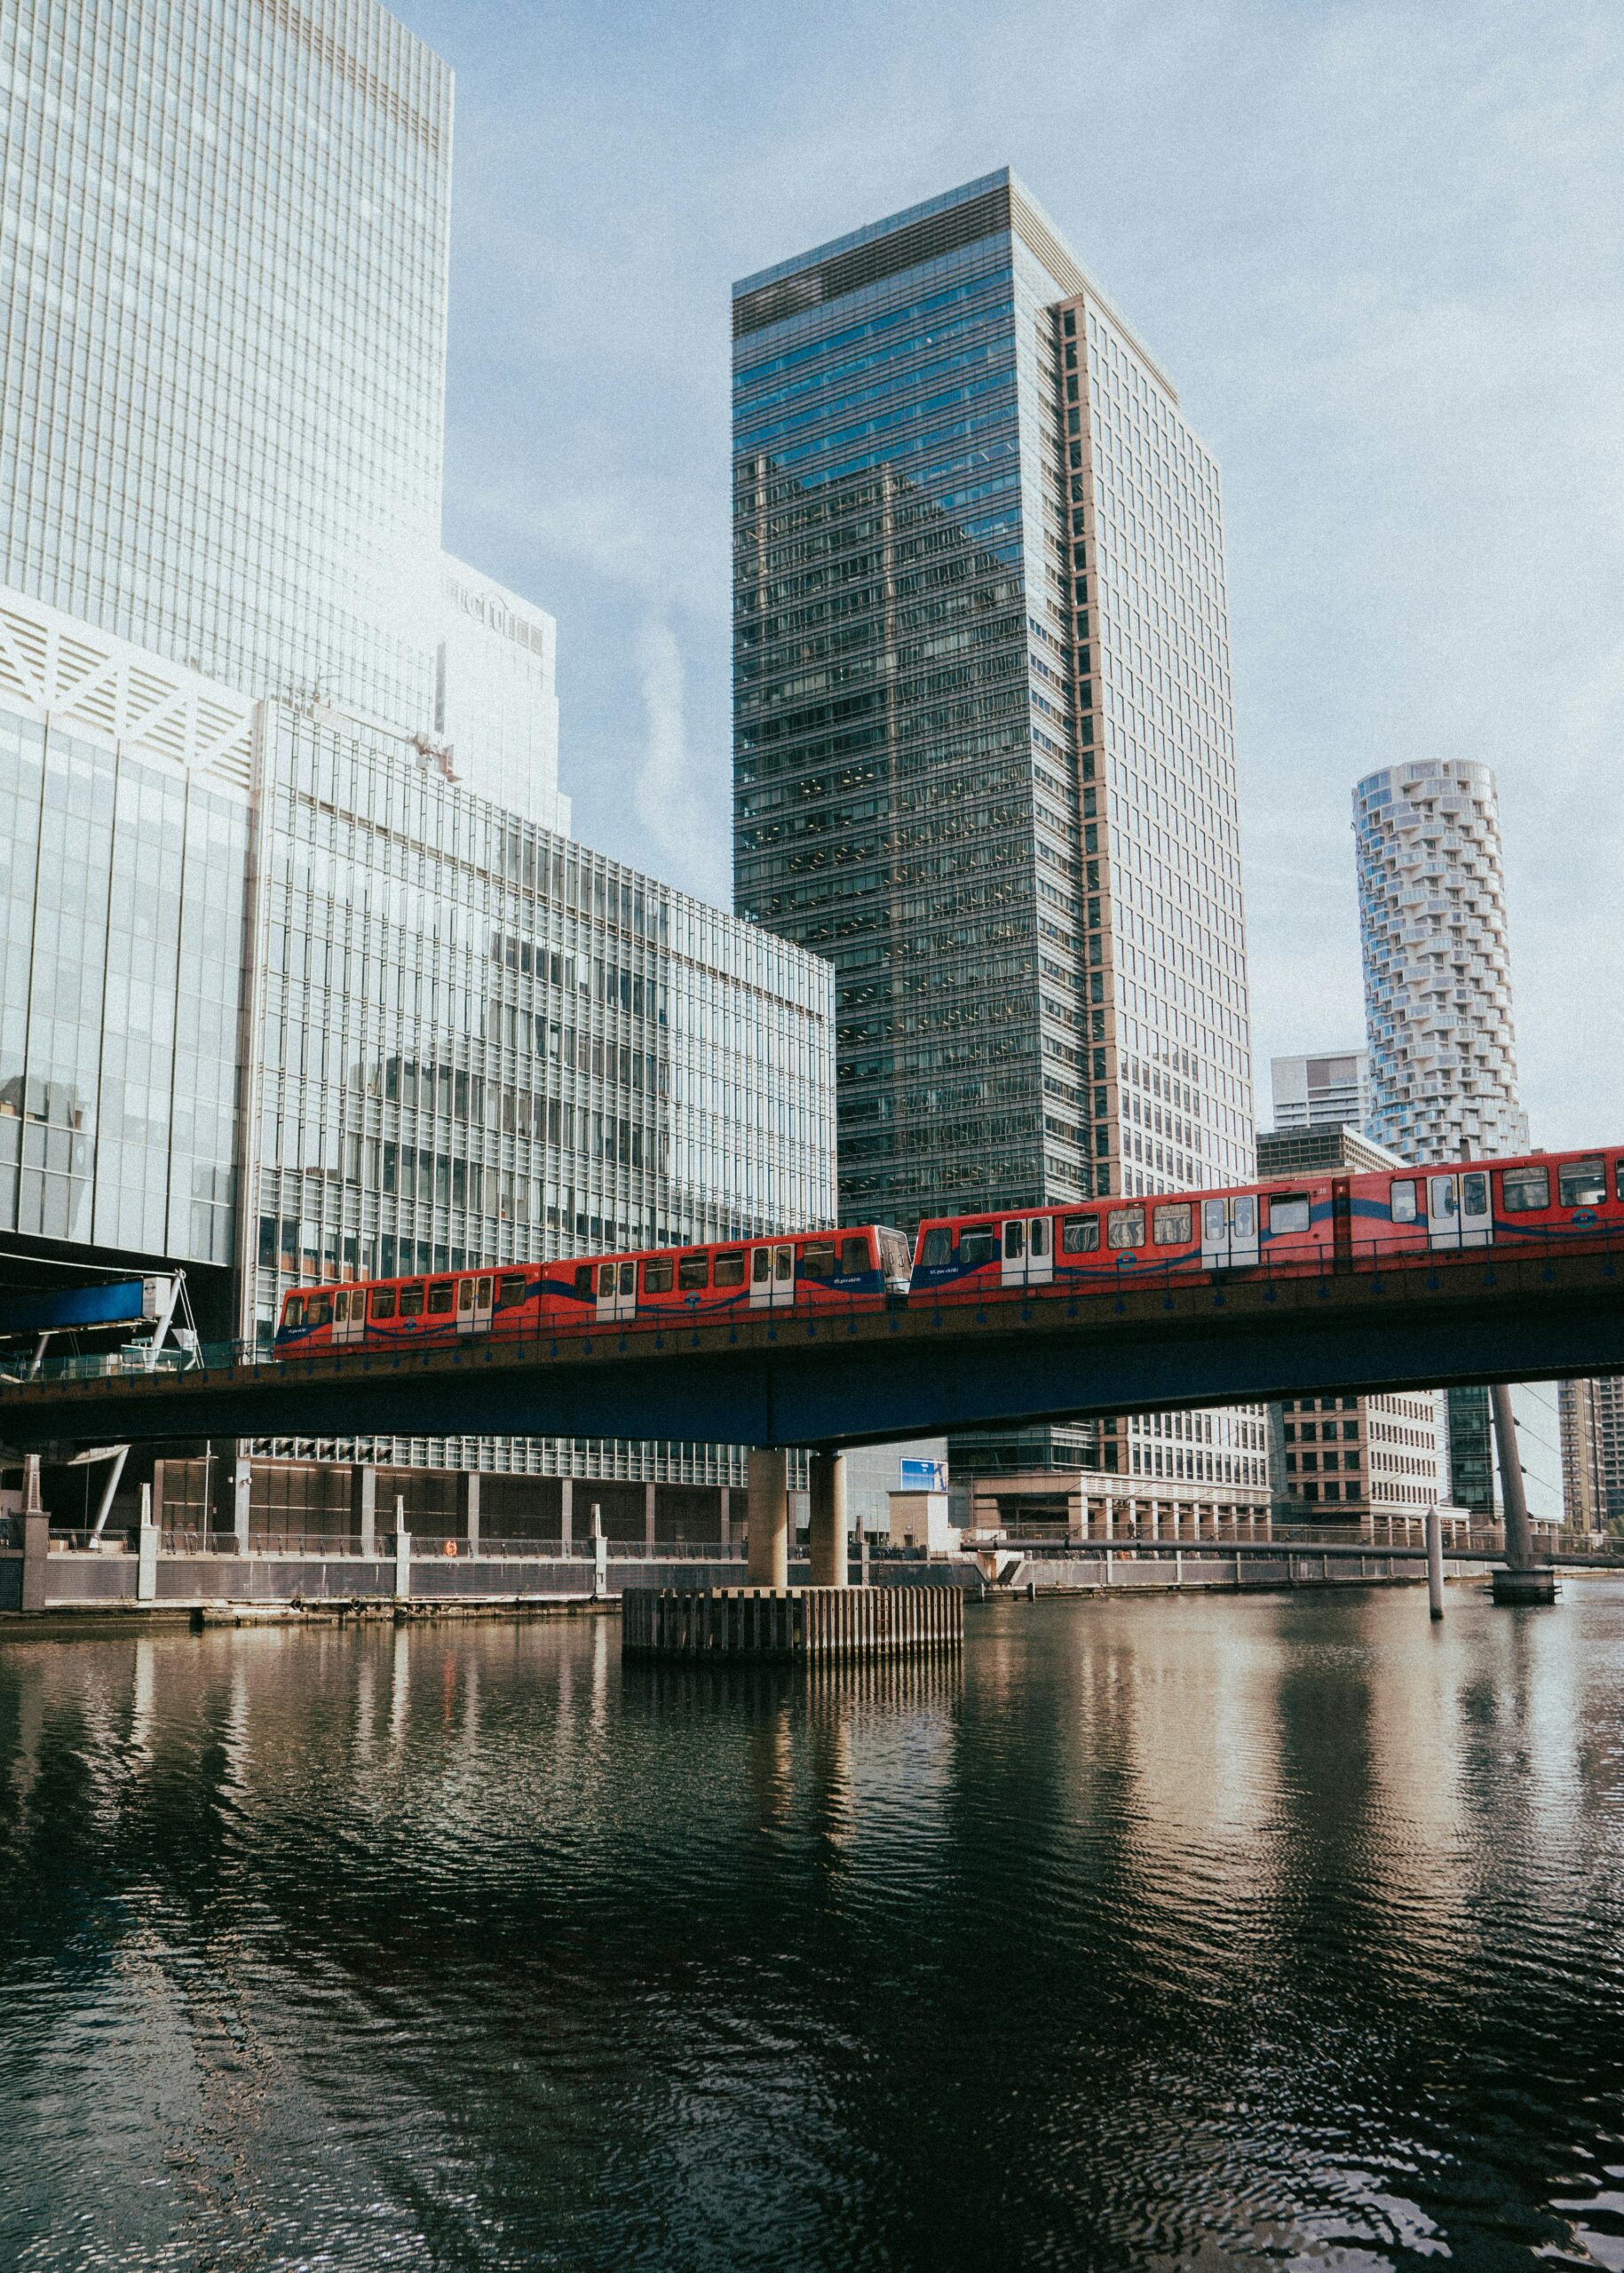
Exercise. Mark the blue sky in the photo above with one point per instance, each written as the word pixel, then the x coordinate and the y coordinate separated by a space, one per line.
pixel 1379 248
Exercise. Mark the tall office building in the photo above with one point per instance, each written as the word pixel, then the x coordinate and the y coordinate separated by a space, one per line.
pixel 1592 1440
pixel 280 1001
pixel 497 696
pixel 984 755
pixel 1331 1090
pixel 1437 967
pixel 1437 1002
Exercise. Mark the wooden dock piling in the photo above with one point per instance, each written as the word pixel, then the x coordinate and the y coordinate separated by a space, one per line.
pixel 810 1622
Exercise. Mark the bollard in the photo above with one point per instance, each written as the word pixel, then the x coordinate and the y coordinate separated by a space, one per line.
pixel 1434 1563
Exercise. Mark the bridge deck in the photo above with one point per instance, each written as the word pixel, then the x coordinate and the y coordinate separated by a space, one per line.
pixel 870 1377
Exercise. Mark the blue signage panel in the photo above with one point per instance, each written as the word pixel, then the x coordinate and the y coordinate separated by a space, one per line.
pixel 924 1475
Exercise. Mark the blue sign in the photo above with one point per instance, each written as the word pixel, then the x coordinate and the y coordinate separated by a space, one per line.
pixel 924 1475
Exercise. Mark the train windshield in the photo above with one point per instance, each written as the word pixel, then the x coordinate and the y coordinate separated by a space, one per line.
pixel 938 1245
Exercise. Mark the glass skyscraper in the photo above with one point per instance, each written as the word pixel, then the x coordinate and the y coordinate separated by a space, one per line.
pixel 983 754
pixel 224 233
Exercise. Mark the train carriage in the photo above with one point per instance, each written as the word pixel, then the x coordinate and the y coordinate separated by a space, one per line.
pixel 808 1272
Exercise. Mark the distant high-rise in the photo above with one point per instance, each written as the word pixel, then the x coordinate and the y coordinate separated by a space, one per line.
pixel 1438 974
pixel 1331 1090
pixel 1592 1433
pixel 984 751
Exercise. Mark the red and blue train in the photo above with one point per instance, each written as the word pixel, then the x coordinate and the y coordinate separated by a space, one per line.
pixel 1375 1220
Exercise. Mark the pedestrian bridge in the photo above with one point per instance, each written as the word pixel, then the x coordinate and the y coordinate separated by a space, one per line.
pixel 1156 1343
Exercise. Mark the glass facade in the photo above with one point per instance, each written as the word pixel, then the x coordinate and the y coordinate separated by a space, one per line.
pixel 223 268
pixel 478 1040
pixel 983 752
pixel 123 899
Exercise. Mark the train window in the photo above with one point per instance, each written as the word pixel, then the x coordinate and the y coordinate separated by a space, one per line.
pixel 1523 1189
pixel 1402 1199
pixel 294 1315
pixel 692 1272
pixel 977 1246
pixel 464 1298
pixel 1618 1175
pixel 1125 1227
pixel 383 1301
pixel 605 1277
pixel 318 1310
pixel 761 1266
pixel 510 1291
pixel 1581 1184
pixel 1171 1225
pixel 854 1257
pixel 341 1309
pixel 1040 1235
pixel 1475 1193
pixel 485 1294
pixel 783 1265
pixel 411 1300
pixel 730 1267
pixel 1014 1238
pixel 1288 1211
pixel 628 1277
pixel 583 1278
pixel 440 1298
pixel 659 1275
pixel 1079 1235
pixel 817 1259
pixel 939 1240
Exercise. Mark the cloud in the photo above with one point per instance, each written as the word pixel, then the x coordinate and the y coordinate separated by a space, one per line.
pixel 668 801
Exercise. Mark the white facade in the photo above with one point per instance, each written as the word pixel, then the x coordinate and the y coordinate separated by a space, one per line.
pixel 1329 1090
pixel 1437 978
pixel 497 700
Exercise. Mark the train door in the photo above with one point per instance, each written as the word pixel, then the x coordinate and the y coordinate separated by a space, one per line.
pixel 1229 1232
pixel 1460 1211
pixel 349 1315
pixel 617 1292
pixel 474 1298
pixel 773 1277
pixel 1028 1251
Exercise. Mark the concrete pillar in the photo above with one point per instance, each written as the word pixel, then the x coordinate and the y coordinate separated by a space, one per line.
pixel 35 1536
pixel 159 1511
pixel 147 1551
pixel 600 1555
pixel 1519 1535
pixel 363 1508
pixel 234 1482
pixel 566 1513
pixel 726 1519
pixel 829 1566
pixel 403 1554
pixel 1434 1563
pixel 648 1517
pixel 768 1518
pixel 468 1508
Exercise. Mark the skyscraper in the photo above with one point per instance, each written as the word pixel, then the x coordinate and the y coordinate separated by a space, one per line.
pixel 223 273
pixel 1437 1002
pixel 1438 969
pixel 1592 1437
pixel 984 755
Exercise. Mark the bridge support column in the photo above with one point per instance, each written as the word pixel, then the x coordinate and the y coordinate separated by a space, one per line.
pixel 468 1508
pixel 829 1519
pixel 35 1536
pixel 566 1513
pixel 363 1510
pixel 725 1518
pixel 768 1520
pixel 1522 1579
pixel 403 1554
pixel 649 1527
pixel 147 1551
pixel 234 1489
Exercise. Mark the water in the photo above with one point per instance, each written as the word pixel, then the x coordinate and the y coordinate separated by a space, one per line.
pixel 1283 1932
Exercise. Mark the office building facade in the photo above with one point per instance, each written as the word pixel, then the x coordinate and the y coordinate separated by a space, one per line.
pixel 1437 963
pixel 282 1002
pixel 1592 1441
pixel 983 754
pixel 1331 1090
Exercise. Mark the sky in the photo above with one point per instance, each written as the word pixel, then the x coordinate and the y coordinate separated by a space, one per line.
pixel 1379 248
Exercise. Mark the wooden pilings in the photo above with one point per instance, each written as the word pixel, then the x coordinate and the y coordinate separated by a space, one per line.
pixel 818 1622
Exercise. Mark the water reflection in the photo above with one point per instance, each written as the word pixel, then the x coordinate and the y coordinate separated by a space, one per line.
pixel 1153 1933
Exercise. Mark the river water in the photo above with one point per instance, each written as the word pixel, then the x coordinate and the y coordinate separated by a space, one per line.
pixel 1276 1932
